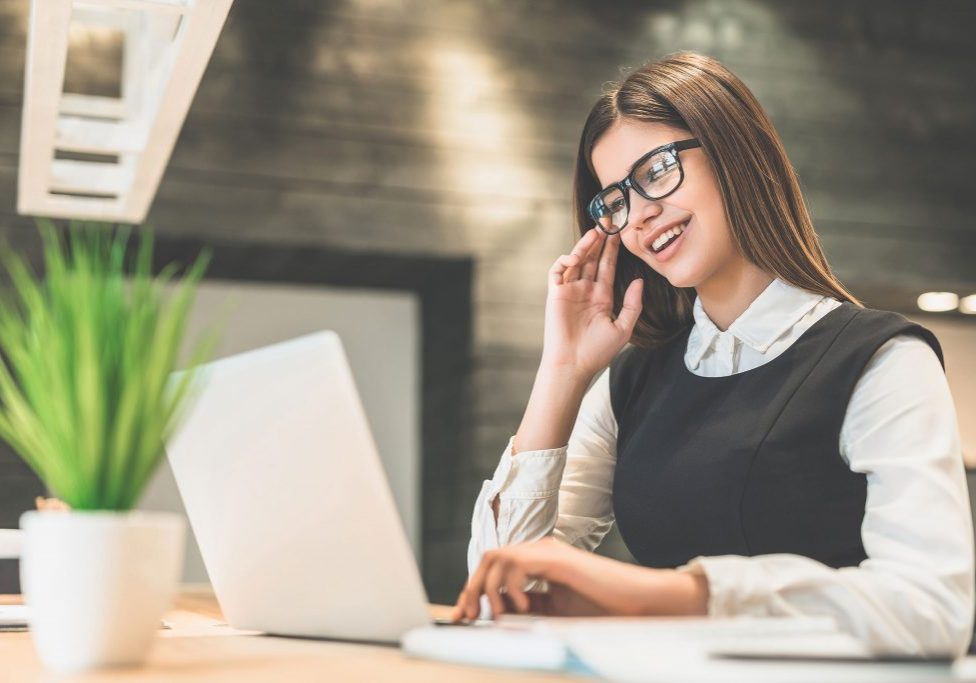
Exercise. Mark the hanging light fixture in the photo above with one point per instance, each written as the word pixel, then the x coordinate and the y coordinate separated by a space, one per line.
pixel 120 144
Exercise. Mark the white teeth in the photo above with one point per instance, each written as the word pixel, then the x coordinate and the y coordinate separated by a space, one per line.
pixel 663 239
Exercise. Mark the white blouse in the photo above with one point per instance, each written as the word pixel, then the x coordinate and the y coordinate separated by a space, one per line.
pixel 914 594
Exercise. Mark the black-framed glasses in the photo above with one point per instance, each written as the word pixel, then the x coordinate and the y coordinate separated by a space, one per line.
pixel 654 176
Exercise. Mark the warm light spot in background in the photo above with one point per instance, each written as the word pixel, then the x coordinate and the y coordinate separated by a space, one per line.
pixel 937 302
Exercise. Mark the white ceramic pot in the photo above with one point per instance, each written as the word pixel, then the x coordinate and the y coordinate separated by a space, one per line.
pixel 97 584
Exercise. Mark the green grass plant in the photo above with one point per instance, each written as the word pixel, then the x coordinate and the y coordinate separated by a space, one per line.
pixel 86 354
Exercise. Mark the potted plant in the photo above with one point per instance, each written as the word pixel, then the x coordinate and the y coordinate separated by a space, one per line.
pixel 86 399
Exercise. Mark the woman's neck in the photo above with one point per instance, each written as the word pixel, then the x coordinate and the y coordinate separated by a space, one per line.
pixel 728 293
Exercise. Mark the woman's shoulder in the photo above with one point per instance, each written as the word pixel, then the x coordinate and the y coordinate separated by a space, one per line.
pixel 877 328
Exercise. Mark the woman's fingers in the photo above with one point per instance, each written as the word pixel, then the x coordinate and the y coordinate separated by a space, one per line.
pixel 469 601
pixel 608 261
pixel 631 308
pixel 494 580
pixel 585 243
pixel 460 610
pixel 515 588
pixel 580 250
pixel 502 581
pixel 502 574
pixel 556 273
pixel 590 262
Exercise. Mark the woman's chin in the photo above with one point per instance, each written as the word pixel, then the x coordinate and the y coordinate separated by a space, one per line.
pixel 677 274
pixel 680 278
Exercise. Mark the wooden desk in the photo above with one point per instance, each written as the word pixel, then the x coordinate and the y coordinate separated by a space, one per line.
pixel 200 648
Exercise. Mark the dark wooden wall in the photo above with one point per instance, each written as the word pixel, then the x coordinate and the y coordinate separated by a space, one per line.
pixel 449 129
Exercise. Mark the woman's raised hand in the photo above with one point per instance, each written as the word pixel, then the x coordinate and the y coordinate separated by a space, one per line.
pixel 581 338
pixel 580 331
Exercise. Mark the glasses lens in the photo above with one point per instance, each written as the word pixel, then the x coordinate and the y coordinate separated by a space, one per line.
pixel 612 210
pixel 659 175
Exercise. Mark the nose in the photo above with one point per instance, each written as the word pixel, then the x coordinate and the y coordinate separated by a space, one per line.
pixel 642 210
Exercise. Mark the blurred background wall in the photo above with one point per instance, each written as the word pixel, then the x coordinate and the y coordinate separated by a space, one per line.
pixel 444 134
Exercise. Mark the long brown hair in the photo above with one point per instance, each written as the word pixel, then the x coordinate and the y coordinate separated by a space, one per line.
pixel 764 207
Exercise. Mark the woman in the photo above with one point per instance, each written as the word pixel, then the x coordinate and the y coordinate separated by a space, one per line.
pixel 766 444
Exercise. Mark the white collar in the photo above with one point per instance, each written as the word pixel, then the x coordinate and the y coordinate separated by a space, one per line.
pixel 777 309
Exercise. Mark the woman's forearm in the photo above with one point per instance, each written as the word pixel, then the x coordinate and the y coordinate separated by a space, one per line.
pixel 552 409
pixel 626 589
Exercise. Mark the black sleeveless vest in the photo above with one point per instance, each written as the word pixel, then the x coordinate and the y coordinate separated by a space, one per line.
pixel 747 464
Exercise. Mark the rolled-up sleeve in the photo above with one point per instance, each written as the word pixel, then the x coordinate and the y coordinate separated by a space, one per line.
pixel 914 594
pixel 565 491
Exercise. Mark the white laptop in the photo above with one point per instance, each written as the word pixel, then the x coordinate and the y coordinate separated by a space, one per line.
pixel 288 500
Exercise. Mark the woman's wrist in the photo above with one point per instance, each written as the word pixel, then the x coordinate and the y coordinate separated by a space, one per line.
pixel 554 370
pixel 687 593
pixel 666 592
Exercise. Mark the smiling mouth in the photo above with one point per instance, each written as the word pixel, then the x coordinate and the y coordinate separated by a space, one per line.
pixel 677 231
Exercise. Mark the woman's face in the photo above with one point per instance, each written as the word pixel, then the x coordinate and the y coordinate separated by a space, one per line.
pixel 705 246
